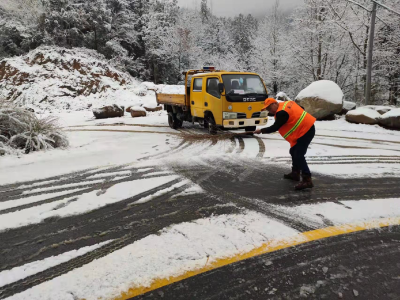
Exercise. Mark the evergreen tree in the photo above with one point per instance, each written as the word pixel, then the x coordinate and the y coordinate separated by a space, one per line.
pixel 243 32
pixel 269 50
pixel 205 11
pixel 160 22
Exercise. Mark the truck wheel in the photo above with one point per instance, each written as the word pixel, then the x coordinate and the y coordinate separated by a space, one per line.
pixel 178 122
pixel 205 124
pixel 212 127
pixel 173 121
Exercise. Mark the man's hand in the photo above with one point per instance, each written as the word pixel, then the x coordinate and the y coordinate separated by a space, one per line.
pixel 257 131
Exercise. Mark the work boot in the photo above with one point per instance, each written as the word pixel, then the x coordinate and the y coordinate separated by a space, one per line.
pixel 306 183
pixel 294 175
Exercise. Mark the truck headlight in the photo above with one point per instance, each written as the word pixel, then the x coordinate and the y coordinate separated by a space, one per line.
pixel 264 114
pixel 229 115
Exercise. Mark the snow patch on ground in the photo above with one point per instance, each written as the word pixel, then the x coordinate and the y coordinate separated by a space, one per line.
pixel 107 175
pixel 65 186
pixel 366 170
pixel 157 256
pixel 24 201
pixel 195 189
pixel 344 212
pixel 18 273
pixel 162 192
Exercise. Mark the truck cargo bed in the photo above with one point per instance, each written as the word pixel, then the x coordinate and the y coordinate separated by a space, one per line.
pixel 171 99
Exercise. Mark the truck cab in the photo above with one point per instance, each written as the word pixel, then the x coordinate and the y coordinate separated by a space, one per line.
pixel 218 100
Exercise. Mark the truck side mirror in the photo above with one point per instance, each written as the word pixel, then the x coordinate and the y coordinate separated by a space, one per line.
pixel 221 88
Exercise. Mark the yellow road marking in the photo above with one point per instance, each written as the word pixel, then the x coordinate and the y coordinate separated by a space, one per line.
pixel 272 246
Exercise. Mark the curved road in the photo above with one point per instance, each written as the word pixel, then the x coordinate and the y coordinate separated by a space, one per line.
pixel 364 264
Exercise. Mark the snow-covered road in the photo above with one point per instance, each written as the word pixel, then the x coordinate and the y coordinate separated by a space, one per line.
pixel 132 203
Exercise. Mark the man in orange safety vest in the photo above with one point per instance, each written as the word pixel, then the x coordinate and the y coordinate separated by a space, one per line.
pixel 297 127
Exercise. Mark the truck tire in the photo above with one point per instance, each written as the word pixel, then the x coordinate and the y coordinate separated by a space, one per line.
pixel 212 127
pixel 205 124
pixel 174 122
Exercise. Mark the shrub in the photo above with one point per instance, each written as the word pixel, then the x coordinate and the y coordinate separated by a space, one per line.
pixel 22 131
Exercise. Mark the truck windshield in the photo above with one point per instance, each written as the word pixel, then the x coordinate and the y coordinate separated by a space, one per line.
pixel 240 84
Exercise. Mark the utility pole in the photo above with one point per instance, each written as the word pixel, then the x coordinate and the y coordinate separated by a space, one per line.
pixel 368 87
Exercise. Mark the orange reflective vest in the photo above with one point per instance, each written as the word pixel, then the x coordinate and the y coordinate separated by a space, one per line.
pixel 298 124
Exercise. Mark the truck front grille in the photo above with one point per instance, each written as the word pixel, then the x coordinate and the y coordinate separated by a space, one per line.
pixel 256 115
pixel 241 116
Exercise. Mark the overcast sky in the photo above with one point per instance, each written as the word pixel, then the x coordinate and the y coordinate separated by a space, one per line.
pixel 235 7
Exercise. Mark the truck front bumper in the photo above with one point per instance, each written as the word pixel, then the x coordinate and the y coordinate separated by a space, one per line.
pixel 240 123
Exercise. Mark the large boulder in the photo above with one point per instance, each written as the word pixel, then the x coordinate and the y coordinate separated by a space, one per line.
pixel 106 112
pixel 348 106
pixel 153 109
pixel 380 108
pixel 391 119
pixel 137 112
pixel 321 99
pixel 363 115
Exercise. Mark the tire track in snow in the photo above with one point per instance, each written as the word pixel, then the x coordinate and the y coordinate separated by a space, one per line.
pixel 358 139
pixel 262 147
pixel 98 186
pixel 78 176
pixel 241 145
pixel 355 162
pixel 352 147
pixel 233 145
pixel 120 124
pixel 185 209
pixel 121 131
pixel 175 149
pixel 101 214
pixel 66 183
pixel 265 181
pixel 13 186
pixel 345 159
pixel 328 157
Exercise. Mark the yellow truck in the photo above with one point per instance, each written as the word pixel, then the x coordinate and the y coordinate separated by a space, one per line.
pixel 217 100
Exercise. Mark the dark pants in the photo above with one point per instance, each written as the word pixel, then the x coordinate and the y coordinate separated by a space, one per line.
pixel 299 151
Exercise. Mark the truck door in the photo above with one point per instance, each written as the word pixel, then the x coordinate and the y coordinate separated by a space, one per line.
pixel 212 99
pixel 196 98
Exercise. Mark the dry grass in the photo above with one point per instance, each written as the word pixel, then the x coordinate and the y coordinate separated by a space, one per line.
pixel 21 130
